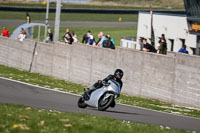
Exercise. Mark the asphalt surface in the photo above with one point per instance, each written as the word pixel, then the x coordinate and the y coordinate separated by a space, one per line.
pixel 72 23
pixel 19 93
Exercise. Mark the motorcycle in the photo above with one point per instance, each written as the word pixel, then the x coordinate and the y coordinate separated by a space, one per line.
pixel 101 98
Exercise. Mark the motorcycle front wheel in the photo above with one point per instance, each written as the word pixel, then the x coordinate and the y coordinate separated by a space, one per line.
pixel 105 103
pixel 81 103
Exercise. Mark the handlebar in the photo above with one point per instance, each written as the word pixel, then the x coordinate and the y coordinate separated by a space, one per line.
pixel 105 83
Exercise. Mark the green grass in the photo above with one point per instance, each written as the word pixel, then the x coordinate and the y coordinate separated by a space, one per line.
pixel 40 16
pixel 20 119
pixel 163 4
pixel 107 4
pixel 50 82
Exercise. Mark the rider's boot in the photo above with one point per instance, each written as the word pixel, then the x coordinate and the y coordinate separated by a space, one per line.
pixel 85 95
pixel 88 92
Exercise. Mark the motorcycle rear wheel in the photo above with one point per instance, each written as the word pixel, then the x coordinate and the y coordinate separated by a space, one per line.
pixel 81 103
pixel 104 104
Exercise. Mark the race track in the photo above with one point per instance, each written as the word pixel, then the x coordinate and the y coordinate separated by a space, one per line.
pixel 19 93
pixel 72 23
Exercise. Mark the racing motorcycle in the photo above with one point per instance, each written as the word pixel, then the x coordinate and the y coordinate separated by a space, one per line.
pixel 101 98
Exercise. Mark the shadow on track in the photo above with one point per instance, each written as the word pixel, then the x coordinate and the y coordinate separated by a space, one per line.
pixel 119 112
pixel 122 112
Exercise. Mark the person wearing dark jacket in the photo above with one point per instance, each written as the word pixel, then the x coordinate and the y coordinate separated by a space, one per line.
pixel 163 47
pixel 67 32
pixel 147 47
pixel 118 74
pixel 85 37
pixel 108 43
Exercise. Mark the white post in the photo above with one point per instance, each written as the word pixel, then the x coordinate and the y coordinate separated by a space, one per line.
pixel 46 21
pixel 57 20
pixel 38 34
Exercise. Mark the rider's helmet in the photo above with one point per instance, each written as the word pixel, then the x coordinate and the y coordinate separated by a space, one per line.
pixel 118 73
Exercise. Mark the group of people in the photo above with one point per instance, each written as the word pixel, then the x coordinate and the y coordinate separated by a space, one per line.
pixel 103 41
pixel 21 36
pixel 162 46
pixel 89 39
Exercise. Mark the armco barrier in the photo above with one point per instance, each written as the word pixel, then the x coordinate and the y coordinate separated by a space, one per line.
pixel 170 79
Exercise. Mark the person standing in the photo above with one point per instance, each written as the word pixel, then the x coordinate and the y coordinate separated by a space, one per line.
pixel 5 32
pixel 163 47
pixel 50 36
pixel 162 38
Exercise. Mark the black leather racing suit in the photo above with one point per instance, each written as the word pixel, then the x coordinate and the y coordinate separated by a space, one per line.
pixel 99 84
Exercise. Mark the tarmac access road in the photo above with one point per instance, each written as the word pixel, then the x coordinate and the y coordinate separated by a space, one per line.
pixel 72 23
pixel 15 92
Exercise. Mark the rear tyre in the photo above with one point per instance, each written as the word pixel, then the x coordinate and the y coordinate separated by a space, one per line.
pixel 81 103
pixel 105 103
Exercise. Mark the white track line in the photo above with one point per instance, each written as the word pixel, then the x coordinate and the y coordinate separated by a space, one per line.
pixel 38 86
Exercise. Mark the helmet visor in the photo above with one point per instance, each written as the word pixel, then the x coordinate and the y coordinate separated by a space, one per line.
pixel 118 76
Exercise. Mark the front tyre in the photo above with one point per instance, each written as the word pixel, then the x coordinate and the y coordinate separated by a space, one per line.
pixel 105 103
pixel 81 103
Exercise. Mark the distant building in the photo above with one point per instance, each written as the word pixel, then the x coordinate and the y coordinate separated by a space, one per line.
pixel 173 26
pixel 193 20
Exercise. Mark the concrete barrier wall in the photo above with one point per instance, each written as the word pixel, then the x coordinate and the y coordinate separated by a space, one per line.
pixel 170 79
pixel 187 81
pixel 16 54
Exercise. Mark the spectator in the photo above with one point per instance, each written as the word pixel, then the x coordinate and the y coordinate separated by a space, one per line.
pixel 101 39
pixel 74 36
pixel 162 38
pixel 22 35
pixel 5 32
pixel 91 39
pixel 68 39
pixel 162 47
pixel 67 32
pixel 111 39
pixel 148 47
pixel 140 41
pixel 183 49
pixel 28 18
pixel 85 37
pixel 50 36
pixel 108 43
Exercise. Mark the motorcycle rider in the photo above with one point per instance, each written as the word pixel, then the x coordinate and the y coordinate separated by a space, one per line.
pixel 118 74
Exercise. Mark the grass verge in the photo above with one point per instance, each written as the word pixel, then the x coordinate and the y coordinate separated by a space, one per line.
pixel 106 4
pixel 50 82
pixel 20 119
